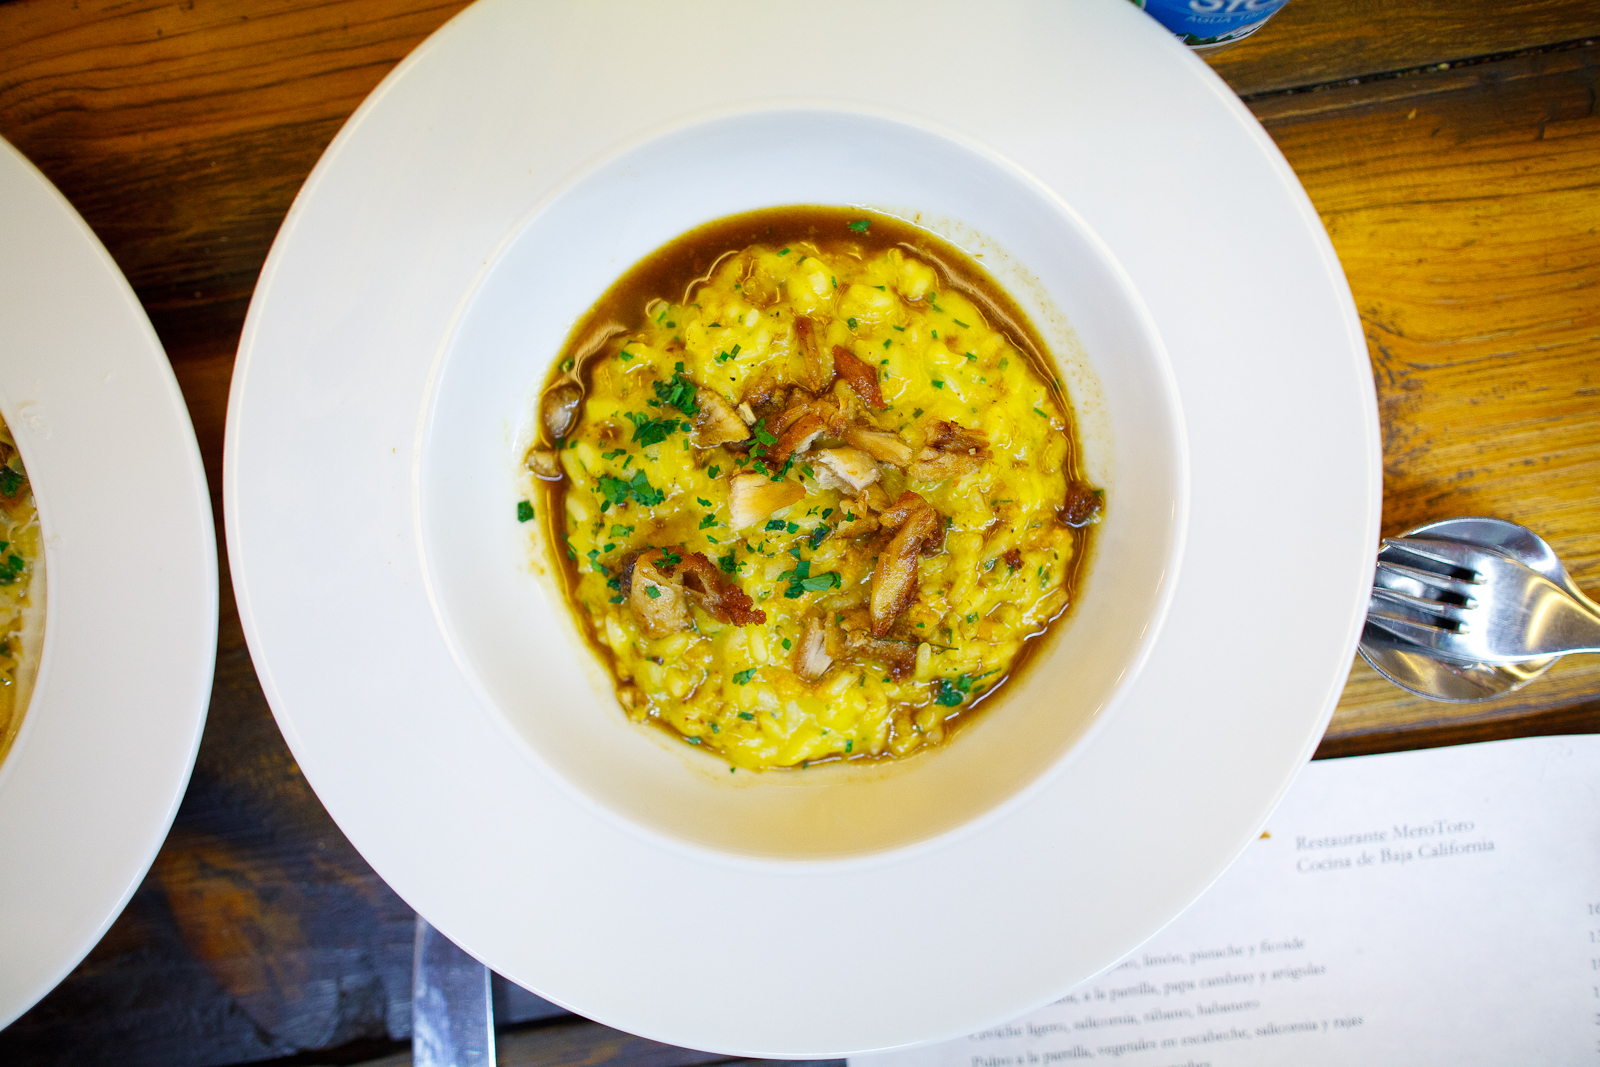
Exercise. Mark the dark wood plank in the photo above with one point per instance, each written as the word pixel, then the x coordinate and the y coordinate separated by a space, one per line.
pixel 1314 42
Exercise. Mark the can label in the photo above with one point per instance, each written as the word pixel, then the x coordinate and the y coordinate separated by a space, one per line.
pixel 1202 23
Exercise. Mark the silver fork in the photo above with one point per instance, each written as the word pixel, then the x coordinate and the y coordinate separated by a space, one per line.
pixel 1476 605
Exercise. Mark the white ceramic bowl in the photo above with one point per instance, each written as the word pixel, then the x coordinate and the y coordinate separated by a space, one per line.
pixel 512 635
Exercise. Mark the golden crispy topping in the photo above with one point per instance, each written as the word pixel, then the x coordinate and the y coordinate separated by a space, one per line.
pixel 656 599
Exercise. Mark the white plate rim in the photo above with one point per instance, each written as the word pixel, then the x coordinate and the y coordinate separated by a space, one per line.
pixel 103 758
pixel 1288 745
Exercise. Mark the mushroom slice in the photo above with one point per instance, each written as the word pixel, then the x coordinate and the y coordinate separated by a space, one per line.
pixel 657 599
pixel 819 362
pixel 850 466
pixel 894 578
pixel 559 409
pixel 717 423
pixel 811 659
pixel 545 465
pixel 862 376
pixel 880 445
pixel 752 497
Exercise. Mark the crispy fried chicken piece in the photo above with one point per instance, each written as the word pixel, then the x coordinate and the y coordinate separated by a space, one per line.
pixel 798 437
pixel 894 580
pixel 861 376
pixel 1081 507
pixel 657 601
pixel 819 363
pixel 676 577
pixel 811 659
pixel 880 445
pixel 716 423
pixel 752 497
pixel 950 452
pixel 845 468
pixel 899 656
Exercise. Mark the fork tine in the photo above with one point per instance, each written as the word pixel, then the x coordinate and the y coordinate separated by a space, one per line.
pixel 1454 613
pixel 1459 586
pixel 1438 550
pixel 1419 633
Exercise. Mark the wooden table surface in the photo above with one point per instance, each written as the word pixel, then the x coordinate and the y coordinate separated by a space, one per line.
pixel 1452 149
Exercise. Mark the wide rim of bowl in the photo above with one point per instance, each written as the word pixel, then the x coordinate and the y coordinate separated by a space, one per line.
pixel 1194 762
pixel 110 736
pixel 709 122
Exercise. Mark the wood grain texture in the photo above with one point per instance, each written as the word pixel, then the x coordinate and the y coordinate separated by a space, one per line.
pixel 1462 203
pixel 1314 42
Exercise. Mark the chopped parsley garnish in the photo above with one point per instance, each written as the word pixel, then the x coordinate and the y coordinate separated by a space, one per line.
pixel 1004 363
pixel 773 524
pixel 524 511
pixel 971 358
pixel 802 581
pixel 937 384
pixel 728 564
pixel 786 644
pixel 850 322
pixel 784 252
pixel 12 568
pixel 707 522
pixel 792 527
pixel 648 431
pixel 917 414
pixel 614 453
pixel 1039 413
pixel 678 392
pixel 10 481
pixel 952 692
pixel 743 678
pixel 961 324
pixel 819 535
pixel 652 592
pixel 622 531
pixel 713 470
pixel 746 716
pixel 617 491
pixel 860 225
pixel 703 501
pixel 886 345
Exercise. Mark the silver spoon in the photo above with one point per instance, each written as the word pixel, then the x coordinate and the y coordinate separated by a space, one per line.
pixel 1417 671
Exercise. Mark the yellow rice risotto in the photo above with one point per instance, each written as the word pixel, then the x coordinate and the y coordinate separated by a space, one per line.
pixel 21 590
pixel 815 491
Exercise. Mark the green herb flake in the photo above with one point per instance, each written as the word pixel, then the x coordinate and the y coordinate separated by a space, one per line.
pixel 773 524
pixel 784 252
pixel 937 384
pixel 678 392
pixel 917 414
pixel 707 522
pixel 860 225
pixel 713 470
pixel 851 322
pixel 961 324
pixel 746 716
pixel 971 358
pixel 524 510
pixel 786 644
pixel 743 678
pixel 652 592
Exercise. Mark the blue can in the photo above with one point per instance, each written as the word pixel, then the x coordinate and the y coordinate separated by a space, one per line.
pixel 1209 24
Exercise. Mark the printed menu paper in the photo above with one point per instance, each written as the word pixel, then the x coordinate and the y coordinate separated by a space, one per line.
pixel 1440 906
